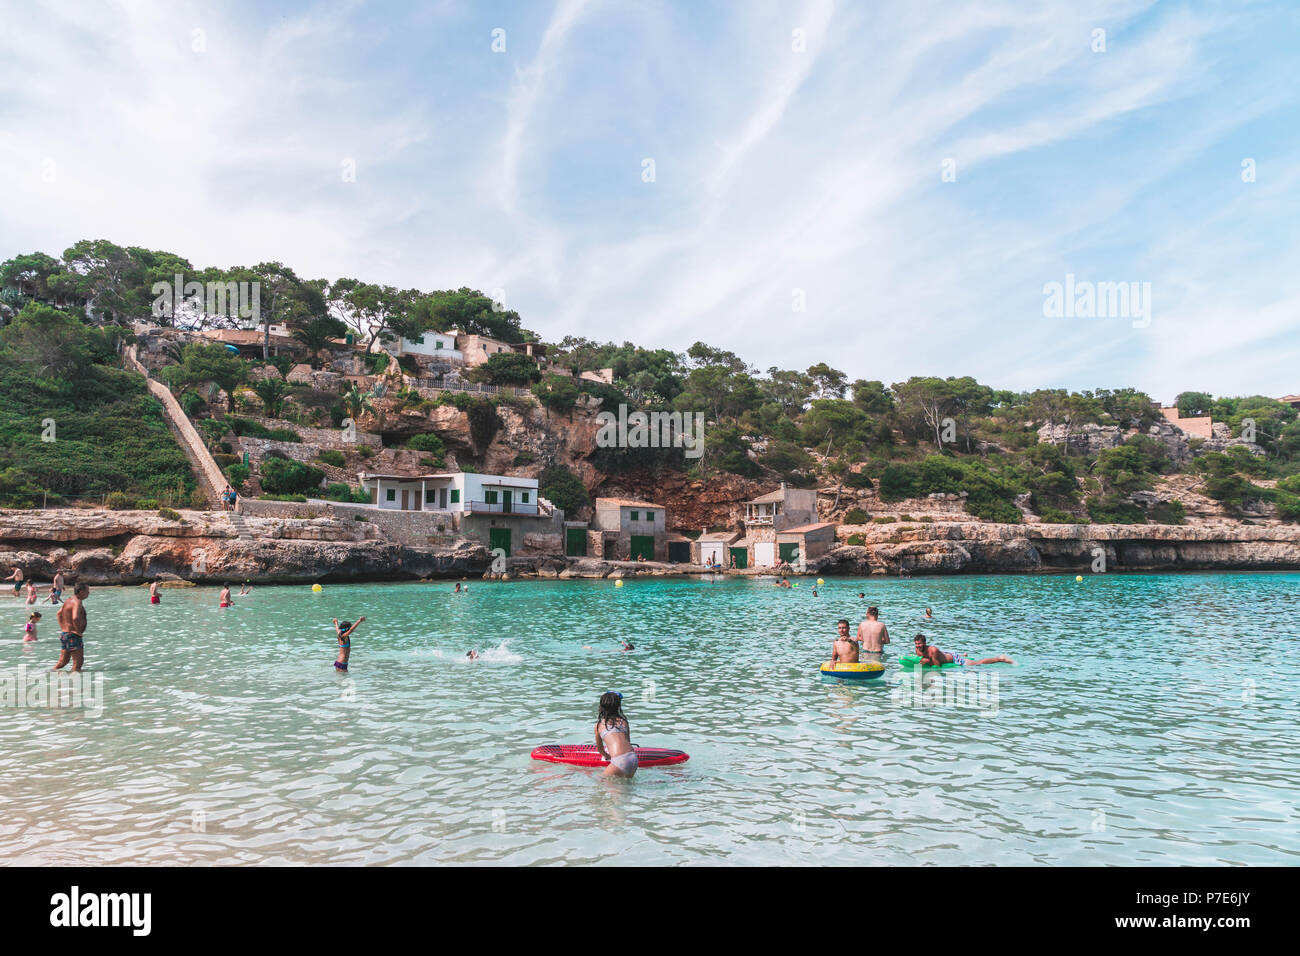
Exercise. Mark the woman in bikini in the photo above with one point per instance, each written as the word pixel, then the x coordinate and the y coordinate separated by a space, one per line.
pixel 614 737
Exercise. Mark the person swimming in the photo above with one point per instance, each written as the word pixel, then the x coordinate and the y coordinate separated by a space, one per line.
pixel 457 591
pixel 472 655
pixel 929 615
pixel 246 589
pixel 614 737
pixel 931 655
pixel 344 632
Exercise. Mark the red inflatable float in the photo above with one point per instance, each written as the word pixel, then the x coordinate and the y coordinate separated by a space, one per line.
pixel 586 755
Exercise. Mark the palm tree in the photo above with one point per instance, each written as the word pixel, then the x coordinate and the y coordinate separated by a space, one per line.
pixel 357 402
pixel 272 392
pixel 317 333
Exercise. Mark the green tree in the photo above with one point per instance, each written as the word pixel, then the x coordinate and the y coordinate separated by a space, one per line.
pixel 564 489
pixel 272 392
pixel 317 333
pixel 557 393
pixel 203 363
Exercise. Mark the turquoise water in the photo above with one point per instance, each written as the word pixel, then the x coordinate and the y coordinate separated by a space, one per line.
pixel 1148 720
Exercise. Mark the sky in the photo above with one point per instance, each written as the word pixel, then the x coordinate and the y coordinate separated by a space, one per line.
pixel 890 188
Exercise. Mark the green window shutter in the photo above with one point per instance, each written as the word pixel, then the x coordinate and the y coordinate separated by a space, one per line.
pixel 490 497
pixel 392 494
pixel 430 496
pixel 636 516
pixel 455 496
pixel 524 497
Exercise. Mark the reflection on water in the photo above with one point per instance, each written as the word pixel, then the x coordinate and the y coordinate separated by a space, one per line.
pixel 1149 719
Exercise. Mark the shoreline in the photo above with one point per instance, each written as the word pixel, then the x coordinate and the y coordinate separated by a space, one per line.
pixel 129 548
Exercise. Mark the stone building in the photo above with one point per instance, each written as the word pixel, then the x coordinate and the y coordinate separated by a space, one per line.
pixel 624 529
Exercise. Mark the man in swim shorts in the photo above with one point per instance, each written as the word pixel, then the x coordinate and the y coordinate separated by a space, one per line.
pixel 16 576
pixel 72 629
pixel 845 649
pixel 873 635
pixel 931 655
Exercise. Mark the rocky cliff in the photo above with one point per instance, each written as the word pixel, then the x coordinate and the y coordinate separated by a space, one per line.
pixel 125 547
pixel 974 547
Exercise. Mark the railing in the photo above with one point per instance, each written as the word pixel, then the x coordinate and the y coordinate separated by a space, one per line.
pixel 439 385
pixel 515 507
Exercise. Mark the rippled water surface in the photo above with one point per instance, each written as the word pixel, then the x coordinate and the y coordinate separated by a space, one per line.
pixel 1148 720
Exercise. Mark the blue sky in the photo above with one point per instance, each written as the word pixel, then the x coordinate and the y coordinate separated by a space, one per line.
pixel 776 169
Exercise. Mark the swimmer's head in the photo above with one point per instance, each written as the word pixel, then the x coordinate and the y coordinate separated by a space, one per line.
pixel 861 594
pixel 611 707
pixel 36 616
pixel 344 625
pixel 919 641
pixel 843 626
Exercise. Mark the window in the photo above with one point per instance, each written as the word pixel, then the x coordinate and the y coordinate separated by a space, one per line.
pixel 455 496
pixel 418 341
pixel 490 497
pixel 523 496
pixel 437 344
pixel 431 496
pixel 391 494
pixel 636 516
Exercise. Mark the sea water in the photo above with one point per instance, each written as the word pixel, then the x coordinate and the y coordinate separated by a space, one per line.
pixel 1149 719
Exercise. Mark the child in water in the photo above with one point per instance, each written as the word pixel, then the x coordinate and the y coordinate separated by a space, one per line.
pixel 614 736
pixel 29 632
pixel 344 632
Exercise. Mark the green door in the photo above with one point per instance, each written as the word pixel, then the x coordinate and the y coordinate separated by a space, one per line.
pixel 575 542
pixel 740 557
pixel 789 552
pixel 506 495
pixel 499 538
pixel 643 546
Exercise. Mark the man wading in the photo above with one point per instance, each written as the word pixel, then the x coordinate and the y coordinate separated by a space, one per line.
pixel 72 624
pixel 873 635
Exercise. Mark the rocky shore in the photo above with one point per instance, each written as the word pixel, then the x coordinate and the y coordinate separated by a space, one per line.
pixel 129 547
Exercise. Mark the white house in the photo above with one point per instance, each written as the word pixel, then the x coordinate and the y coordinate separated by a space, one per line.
pixel 439 346
pixel 456 491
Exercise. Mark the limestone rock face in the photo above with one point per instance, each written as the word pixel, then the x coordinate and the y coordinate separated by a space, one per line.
pixel 125 547
pixel 983 548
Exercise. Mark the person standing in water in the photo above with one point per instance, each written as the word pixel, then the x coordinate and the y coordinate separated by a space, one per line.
pixel 72 628
pixel 153 593
pixel 56 589
pixel 873 635
pixel 931 655
pixel 614 737
pixel 29 632
pixel 32 593
pixel 344 632
pixel 16 576
pixel 225 596
pixel 845 649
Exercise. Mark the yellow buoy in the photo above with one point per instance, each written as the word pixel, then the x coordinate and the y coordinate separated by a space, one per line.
pixel 1078 579
pixel 618 584
pixel 820 582
pixel 317 588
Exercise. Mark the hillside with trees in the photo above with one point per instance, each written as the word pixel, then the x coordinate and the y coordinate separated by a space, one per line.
pixel 1059 455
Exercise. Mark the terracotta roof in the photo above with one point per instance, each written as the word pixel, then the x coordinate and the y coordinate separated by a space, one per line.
pixel 804 528
pixel 778 495
pixel 1289 398
pixel 626 503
